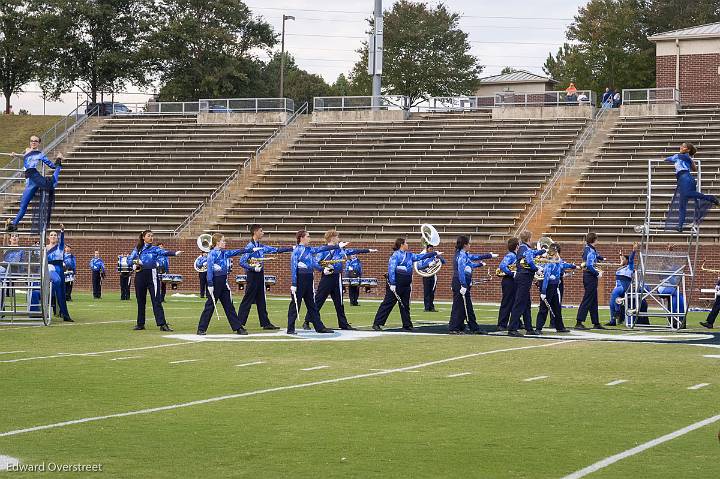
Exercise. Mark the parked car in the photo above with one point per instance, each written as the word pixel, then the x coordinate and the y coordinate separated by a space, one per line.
pixel 107 108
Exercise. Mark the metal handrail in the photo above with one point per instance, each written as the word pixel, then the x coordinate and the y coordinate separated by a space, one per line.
pixel 221 190
pixel 651 95
pixel 344 103
pixel 545 98
pixel 225 105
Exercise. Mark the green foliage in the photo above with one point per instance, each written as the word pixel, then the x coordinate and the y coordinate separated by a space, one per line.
pixel 17 45
pixel 507 70
pixel 426 54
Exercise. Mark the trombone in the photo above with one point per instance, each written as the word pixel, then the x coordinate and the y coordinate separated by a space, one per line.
pixel 259 261
pixel 329 262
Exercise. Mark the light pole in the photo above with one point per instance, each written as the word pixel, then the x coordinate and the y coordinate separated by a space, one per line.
pixel 282 56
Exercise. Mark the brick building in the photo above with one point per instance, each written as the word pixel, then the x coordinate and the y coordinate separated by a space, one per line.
pixel 689 60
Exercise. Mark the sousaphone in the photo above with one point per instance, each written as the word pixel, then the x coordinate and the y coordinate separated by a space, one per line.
pixel 430 237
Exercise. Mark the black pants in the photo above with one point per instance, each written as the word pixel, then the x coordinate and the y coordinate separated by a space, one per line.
pixel 714 312
pixel 221 293
pixel 163 288
pixel 458 313
pixel 68 290
pixel 590 299
pixel 202 277
pixel 553 299
pixel 97 284
pixel 429 285
pixel 404 287
pixel 125 286
pixel 354 293
pixel 255 294
pixel 146 281
pixel 304 294
pixel 331 285
pixel 522 304
pixel 508 299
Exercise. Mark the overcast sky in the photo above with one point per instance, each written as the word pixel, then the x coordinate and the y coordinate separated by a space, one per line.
pixel 325 35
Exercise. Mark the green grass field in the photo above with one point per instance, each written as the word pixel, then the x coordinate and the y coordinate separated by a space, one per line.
pixel 15 131
pixel 385 405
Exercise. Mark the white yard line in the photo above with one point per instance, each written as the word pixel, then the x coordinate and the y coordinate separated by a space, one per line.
pixel 11 352
pixel 536 378
pixel 716 356
pixel 183 361
pixel 124 358
pixel 249 364
pixel 65 325
pixel 315 368
pixel 272 390
pixel 642 447
pixel 616 382
pixel 458 375
pixel 69 355
pixel 698 386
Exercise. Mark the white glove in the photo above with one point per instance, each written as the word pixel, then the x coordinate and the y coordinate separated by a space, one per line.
pixel 552 277
pixel 258 268
pixel 543 296
pixel 463 290
pixel 493 255
pixel 393 288
pixel 482 263
pixel 257 248
pixel 178 253
pixel 293 289
pixel 513 273
pixel 439 253
pixel 327 271
pixel 373 250
pixel 343 244
pixel 600 273
pixel 211 290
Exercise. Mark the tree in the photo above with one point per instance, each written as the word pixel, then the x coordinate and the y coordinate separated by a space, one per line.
pixel 206 50
pixel 17 45
pixel 300 85
pixel 507 70
pixel 97 45
pixel 425 54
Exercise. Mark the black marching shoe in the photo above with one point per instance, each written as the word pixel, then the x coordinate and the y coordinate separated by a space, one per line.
pixel 376 327
pixel 515 334
pixel 139 327
pixel 68 319
pixel 563 330
pixel 455 331
pixel 611 323
pixel 349 327
pixel 241 331
pixel 477 331
pixel 270 327
pixel 408 328
pixel 502 328
pixel 598 326
pixel 531 332
pixel 433 310
pixel 325 330
pixel 306 326
pixel 705 324
pixel 580 325
pixel 538 332
pixel 165 327
pixel 201 332
pixel 291 332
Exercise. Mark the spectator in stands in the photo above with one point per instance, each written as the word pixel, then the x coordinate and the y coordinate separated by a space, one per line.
pixel 303 263
pixel 686 190
pixel 526 269
pixel 71 267
pixel 255 269
pixel 399 284
pixel 333 263
pixel 617 99
pixel 145 258
pixel 430 282
pixel 507 269
pixel 623 278
pixel 607 98
pixel 571 93
pixel 462 307
pixel 55 251
pixel 97 266
pixel 591 275
pixel 32 158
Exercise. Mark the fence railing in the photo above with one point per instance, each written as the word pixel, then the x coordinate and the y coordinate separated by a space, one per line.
pixel 546 98
pixel 349 103
pixel 246 105
pixel 67 125
pixel 457 103
pixel 650 95
pixel 223 188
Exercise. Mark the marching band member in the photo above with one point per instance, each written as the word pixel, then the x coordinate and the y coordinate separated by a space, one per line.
pixel 302 264
pixel 710 320
pixel 71 266
pixel 125 278
pixel 163 268
pixel 508 284
pixel 550 290
pixel 590 283
pixel 32 158
pixel 97 266
pixel 623 278
pixel 145 259
pixel 200 264
pixel 354 270
pixel 525 273
pixel 331 280
pixel 399 284
pixel 55 255
pixel 686 190
pixel 430 282
pixel 462 308
pixel 255 287
pixel 218 267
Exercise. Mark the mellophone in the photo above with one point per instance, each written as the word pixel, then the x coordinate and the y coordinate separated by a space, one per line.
pixel 124 266
pixel 173 279
pixel 69 276
pixel 367 283
pixel 241 280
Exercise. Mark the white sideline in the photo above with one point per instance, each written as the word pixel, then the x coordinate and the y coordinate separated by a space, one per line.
pixel 536 378
pixel 249 364
pixel 458 375
pixel 616 382
pixel 11 352
pixel 95 353
pixel 183 361
pixel 698 386
pixel 642 447
pixel 314 368
pixel 271 390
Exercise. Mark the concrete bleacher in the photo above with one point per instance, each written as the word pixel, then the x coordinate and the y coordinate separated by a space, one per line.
pixel 140 171
pixel 609 199
pixel 463 172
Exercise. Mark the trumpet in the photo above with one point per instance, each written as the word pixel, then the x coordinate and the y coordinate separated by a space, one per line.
pixel 258 261
pixel 329 262
pixel 703 268
pixel 501 274
pixel 583 265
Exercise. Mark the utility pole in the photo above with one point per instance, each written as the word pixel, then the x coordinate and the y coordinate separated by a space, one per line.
pixel 282 56
pixel 377 53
